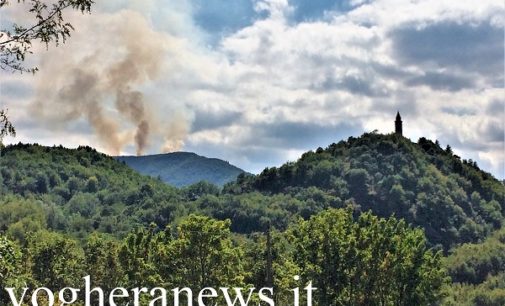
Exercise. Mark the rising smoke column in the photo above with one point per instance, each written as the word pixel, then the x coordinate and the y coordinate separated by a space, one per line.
pixel 132 105
pixel 82 89
pixel 100 77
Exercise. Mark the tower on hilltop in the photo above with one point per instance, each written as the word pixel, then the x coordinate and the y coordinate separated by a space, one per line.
pixel 398 125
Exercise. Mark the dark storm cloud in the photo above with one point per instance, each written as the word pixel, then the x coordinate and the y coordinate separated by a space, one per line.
pixel 32 127
pixel 491 136
pixel 457 142
pixel 441 81
pixel 269 144
pixel 251 157
pixel 450 44
pixel 470 149
pixel 390 71
pixel 368 82
pixel 213 120
pixel 299 135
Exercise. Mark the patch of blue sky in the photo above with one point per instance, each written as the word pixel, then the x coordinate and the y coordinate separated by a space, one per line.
pixel 221 17
pixel 310 10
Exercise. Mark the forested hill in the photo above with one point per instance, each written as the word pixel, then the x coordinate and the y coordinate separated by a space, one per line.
pixel 77 191
pixel 183 168
pixel 452 199
pixel 51 196
pixel 80 191
pixel 55 193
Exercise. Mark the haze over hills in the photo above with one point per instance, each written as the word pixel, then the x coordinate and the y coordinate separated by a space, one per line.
pixel 183 168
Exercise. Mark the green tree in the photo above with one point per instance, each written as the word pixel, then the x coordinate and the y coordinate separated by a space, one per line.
pixel 203 255
pixel 357 179
pixel 197 190
pixel 270 264
pixel 371 261
pixel 54 261
pixel 137 258
pixel 92 184
pixel 19 217
pixel 10 266
pixel 102 263
pixel 41 183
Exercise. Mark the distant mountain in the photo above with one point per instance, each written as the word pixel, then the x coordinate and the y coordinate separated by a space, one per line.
pixel 183 168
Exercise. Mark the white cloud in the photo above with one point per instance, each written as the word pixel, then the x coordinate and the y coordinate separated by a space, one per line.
pixel 278 9
pixel 342 71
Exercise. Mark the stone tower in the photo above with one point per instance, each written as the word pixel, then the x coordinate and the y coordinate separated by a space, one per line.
pixel 398 124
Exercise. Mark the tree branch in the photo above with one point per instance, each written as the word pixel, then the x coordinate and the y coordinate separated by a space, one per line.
pixel 42 22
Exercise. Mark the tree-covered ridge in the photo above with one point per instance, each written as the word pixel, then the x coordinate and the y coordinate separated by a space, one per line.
pixel 452 199
pixel 77 191
pixel 80 191
pixel 182 169
pixel 473 263
pixel 478 272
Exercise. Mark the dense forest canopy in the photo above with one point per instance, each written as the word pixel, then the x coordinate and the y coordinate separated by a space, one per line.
pixel 478 272
pixel 452 199
pixel 82 202
pixel 202 252
pixel 80 191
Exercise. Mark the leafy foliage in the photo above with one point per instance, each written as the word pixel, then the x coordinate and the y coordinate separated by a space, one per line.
pixel 339 254
pixel 478 272
pixel 6 127
pixel 391 264
pixel 473 263
pixel 10 266
pixel 489 293
pixel 48 27
pixel 77 192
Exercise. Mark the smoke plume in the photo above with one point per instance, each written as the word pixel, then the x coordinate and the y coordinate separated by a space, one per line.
pixel 99 77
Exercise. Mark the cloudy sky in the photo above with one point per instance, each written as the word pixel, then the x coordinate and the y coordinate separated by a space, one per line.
pixel 258 82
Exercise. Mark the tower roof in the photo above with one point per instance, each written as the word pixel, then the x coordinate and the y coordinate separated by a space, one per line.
pixel 398 124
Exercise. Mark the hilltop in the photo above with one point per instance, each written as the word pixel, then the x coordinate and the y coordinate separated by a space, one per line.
pixel 183 168
pixel 77 191
pixel 80 191
pixel 451 198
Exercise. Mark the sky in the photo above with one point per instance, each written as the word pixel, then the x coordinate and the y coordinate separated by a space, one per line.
pixel 259 82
